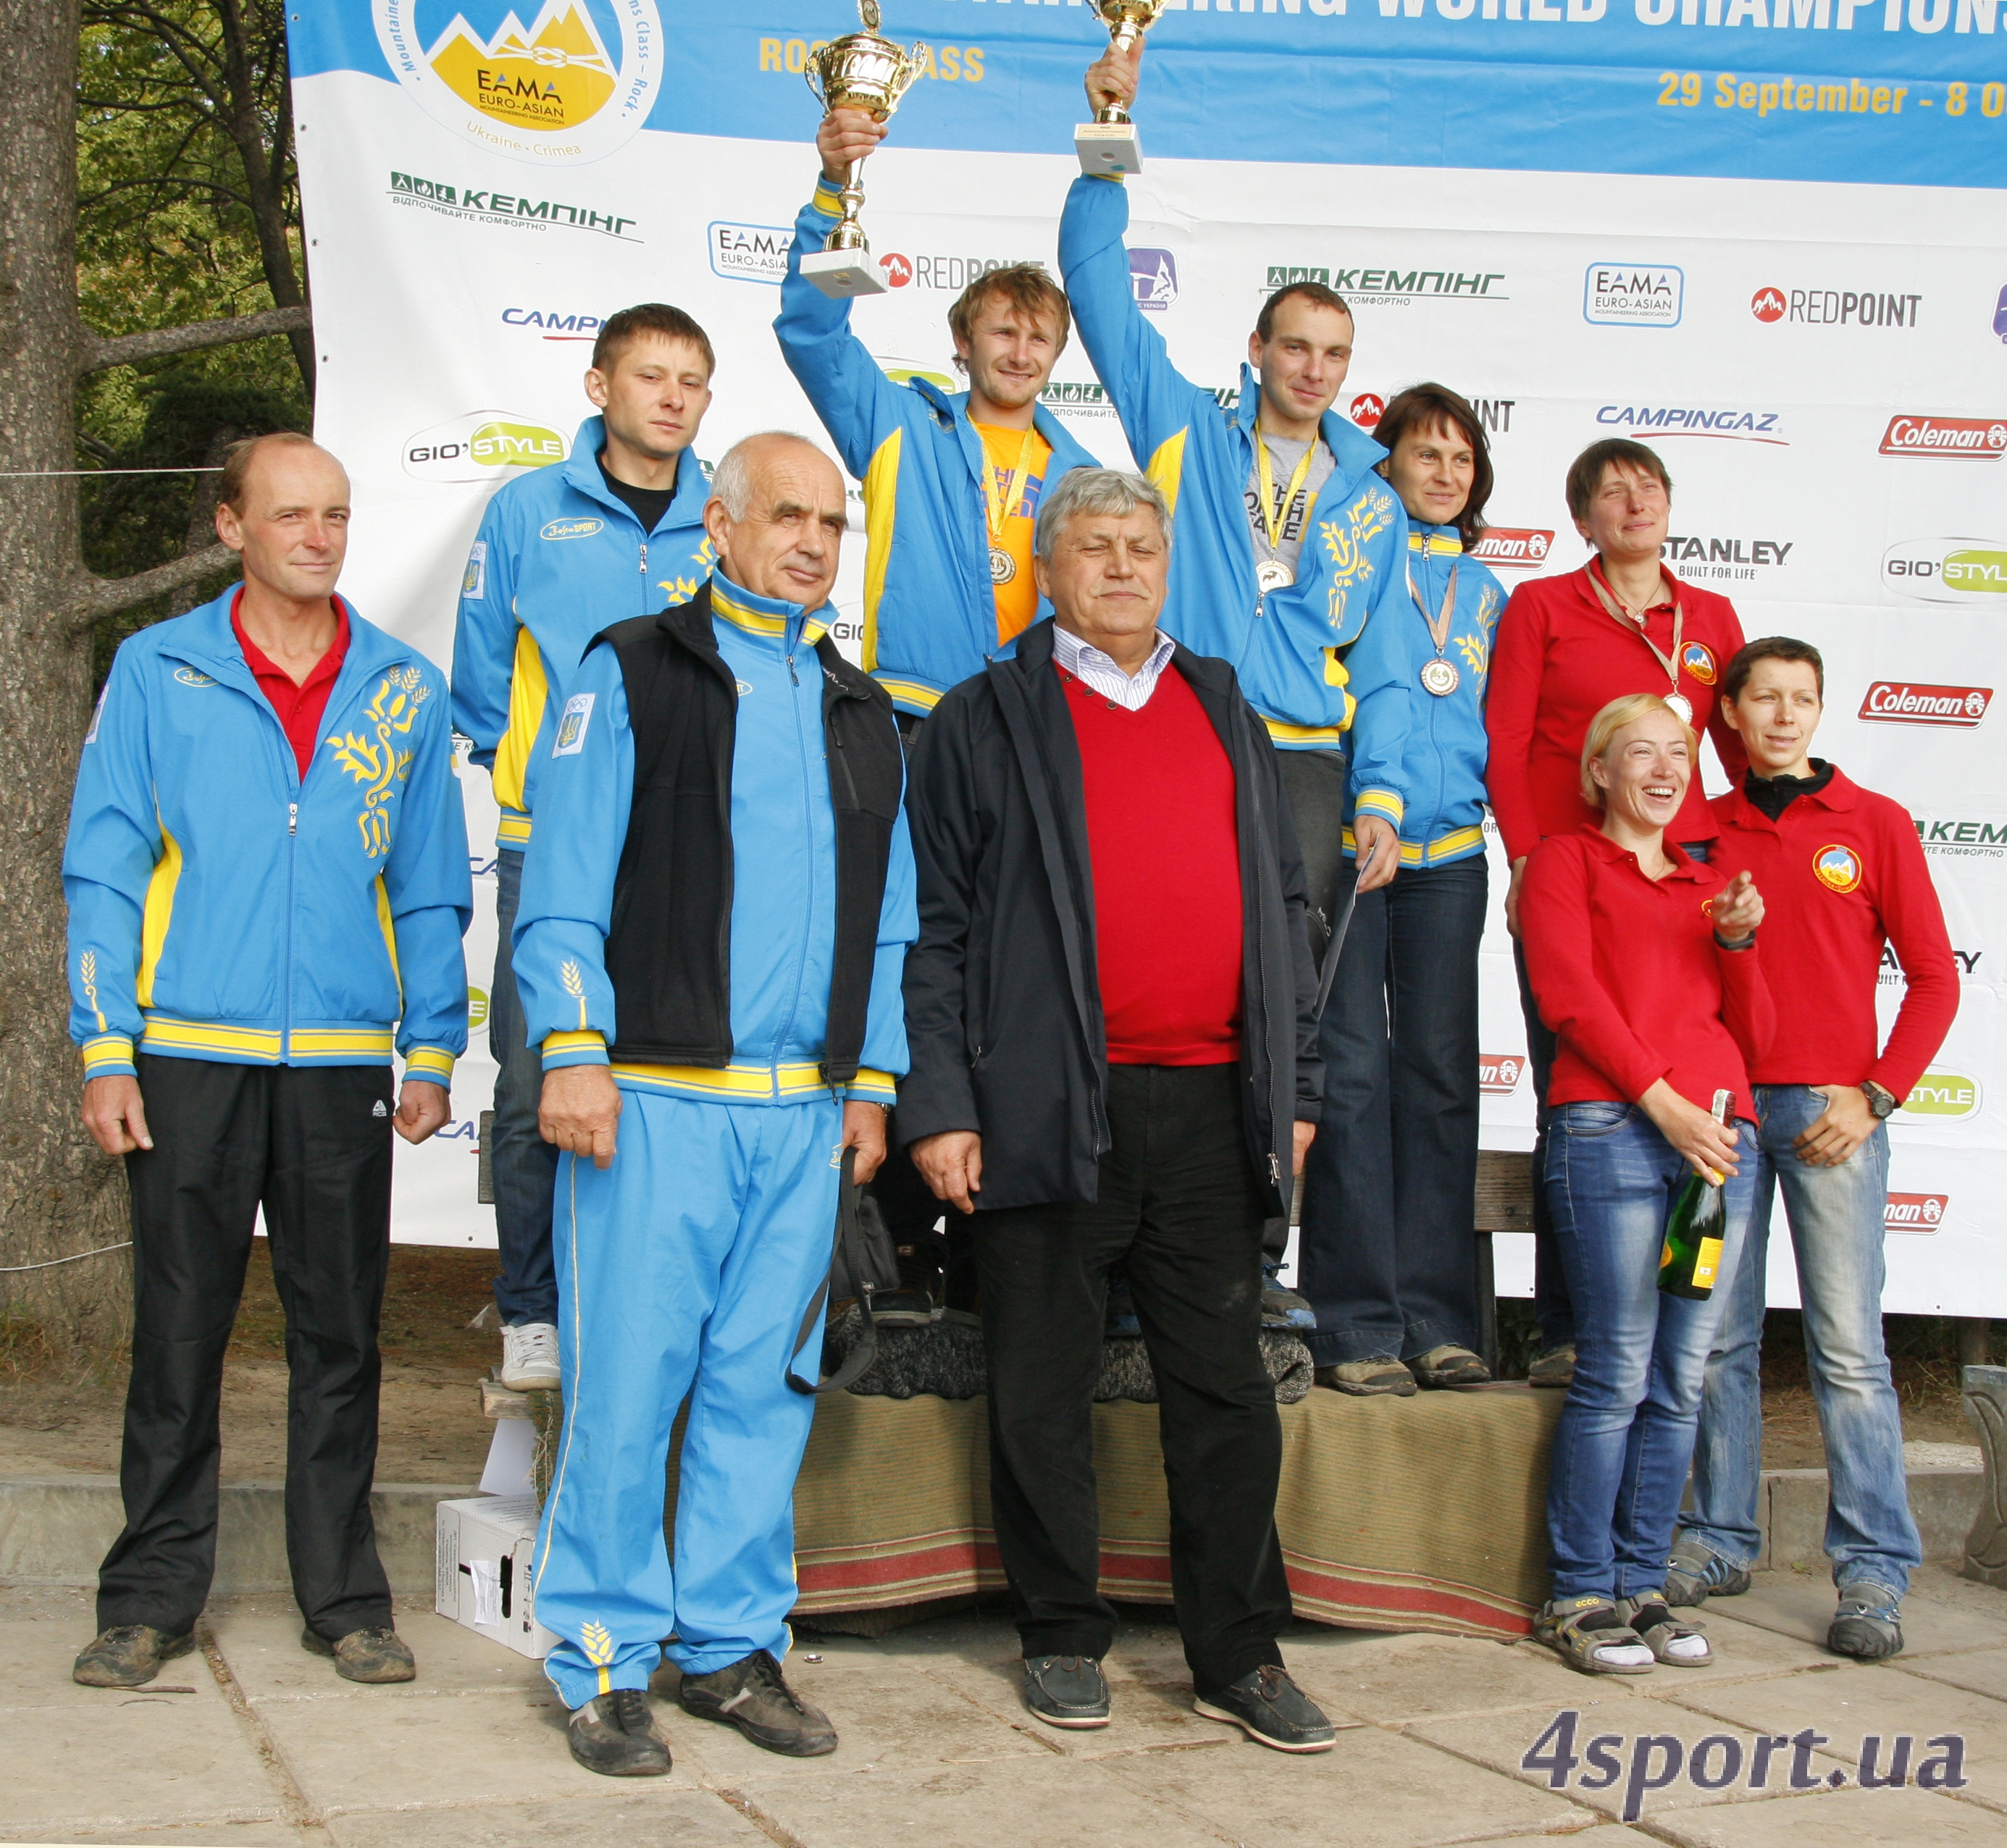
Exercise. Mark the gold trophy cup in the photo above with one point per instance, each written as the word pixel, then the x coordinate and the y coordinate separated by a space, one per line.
pixel 859 71
pixel 1110 143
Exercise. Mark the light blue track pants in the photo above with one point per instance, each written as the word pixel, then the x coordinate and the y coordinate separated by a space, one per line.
pixel 684 1268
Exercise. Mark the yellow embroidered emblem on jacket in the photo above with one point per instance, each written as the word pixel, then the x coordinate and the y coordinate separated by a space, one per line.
pixel 573 978
pixel 681 590
pixel 87 971
pixel 1346 540
pixel 378 763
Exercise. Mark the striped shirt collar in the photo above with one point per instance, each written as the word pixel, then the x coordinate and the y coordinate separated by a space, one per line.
pixel 1087 664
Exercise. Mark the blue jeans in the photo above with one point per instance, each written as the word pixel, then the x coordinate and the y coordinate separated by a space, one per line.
pixel 1835 1216
pixel 1388 1260
pixel 524 1166
pixel 1626 1433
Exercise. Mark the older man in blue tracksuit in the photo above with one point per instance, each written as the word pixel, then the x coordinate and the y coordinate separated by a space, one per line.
pixel 267 878
pixel 1289 546
pixel 616 531
pixel 715 915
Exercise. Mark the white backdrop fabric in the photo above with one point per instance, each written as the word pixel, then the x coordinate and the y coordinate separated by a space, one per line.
pixel 1803 308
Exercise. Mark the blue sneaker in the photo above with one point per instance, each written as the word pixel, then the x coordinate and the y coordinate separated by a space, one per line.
pixel 1281 1307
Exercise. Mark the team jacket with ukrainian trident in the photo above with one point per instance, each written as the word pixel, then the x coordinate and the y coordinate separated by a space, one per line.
pixel 1298 649
pixel 1444 751
pixel 223 908
pixel 930 603
pixel 559 557
pixel 783 885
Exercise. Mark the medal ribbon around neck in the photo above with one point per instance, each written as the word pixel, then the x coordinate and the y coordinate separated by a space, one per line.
pixel 1438 626
pixel 1634 621
pixel 999 491
pixel 1272 523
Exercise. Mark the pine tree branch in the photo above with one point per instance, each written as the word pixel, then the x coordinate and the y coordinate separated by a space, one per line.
pixel 156 342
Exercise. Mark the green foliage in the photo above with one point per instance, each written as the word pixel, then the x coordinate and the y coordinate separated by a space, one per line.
pixel 182 106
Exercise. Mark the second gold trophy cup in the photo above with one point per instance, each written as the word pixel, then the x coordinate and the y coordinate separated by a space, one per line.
pixel 859 71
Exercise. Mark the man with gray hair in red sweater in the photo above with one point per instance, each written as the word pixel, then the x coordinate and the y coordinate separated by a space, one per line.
pixel 1109 1011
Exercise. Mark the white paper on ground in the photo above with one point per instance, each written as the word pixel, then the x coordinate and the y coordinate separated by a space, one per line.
pixel 507 1471
pixel 486 1575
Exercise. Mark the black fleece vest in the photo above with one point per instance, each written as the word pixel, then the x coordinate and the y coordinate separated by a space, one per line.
pixel 669 950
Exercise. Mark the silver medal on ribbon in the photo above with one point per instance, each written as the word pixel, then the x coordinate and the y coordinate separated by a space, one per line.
pixel 1272 574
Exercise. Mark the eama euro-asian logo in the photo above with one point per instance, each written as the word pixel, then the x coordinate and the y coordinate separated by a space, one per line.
pixel 574 85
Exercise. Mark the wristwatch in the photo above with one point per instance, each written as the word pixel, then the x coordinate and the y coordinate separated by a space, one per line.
pixel 1879 1101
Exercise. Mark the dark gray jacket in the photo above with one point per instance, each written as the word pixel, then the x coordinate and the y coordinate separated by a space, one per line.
pixel 1002 1001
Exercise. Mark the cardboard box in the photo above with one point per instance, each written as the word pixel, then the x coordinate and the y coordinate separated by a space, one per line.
pixel 483 1570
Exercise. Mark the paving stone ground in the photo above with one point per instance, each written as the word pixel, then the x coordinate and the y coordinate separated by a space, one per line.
pixel 253 1743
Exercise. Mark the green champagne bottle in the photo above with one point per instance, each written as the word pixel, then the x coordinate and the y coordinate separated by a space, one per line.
pixel 1689 1263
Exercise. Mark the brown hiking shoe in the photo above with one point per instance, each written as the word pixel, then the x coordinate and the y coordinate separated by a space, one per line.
pixel 750 1694
pixel 370 1655
pixel 128 1655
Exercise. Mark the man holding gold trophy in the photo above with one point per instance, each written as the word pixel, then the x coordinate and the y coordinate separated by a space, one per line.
pixel 952 481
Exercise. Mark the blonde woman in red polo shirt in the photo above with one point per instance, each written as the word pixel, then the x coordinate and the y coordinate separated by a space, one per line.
pixel 1566 647
pixel 1643 960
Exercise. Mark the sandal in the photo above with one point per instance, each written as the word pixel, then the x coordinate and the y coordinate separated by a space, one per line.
pixel 1589 1633
pixel 1670 1639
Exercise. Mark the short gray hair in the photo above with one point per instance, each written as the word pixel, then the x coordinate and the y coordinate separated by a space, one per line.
pixel 1081 491
pixel 731 481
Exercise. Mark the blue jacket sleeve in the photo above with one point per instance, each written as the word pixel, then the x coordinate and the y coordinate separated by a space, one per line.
pixel 885 1057
pixel 1380 669
pixel 583 803
pixel 1154 401
pixel 114 843
pixel 431 898
pixel 484 635
pixel 859 405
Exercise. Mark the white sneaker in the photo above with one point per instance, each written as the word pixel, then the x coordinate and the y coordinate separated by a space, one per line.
pixel 530 1357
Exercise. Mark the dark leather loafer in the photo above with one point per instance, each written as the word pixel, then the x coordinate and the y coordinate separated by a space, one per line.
pixel 615 1735
pixel 1272 1710
pixel 1066 1691
pixel 128 1655
pixel 369 1656
pixel 751 1694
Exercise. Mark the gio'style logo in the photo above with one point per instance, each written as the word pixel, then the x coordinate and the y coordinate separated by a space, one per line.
pixel 1948 1095
pixel 573 85
pixel 483 446
pixel 1968 571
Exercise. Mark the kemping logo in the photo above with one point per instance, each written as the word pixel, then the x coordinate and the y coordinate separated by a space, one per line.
pixel 556 91
pixel 1910 703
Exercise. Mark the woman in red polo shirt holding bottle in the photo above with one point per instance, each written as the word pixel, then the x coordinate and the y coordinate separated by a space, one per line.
pixel 1643 960
pixel 1566 647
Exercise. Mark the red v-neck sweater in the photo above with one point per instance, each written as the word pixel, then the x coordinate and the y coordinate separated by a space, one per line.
pixel 1166 852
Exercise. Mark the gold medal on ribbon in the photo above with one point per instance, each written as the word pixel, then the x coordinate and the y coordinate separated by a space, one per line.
pixel 1633 620
pixel 1000 493
pixel 1003 567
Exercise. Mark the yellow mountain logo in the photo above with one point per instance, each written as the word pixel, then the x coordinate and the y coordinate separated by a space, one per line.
pixel 555 76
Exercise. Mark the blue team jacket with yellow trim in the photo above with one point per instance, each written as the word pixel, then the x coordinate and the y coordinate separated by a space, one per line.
pixel 558 559
pixel 222 908
pixel 1439 741
pixel 930 606
pixel 784 876
pixel 1294 650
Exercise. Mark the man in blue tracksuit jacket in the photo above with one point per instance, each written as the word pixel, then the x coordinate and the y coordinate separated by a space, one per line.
pixel 1289 546
pixel 267 878
pixel 615 530
pixel 716 906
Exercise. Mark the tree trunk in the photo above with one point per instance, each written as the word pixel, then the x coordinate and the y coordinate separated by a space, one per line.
pixel 57 1194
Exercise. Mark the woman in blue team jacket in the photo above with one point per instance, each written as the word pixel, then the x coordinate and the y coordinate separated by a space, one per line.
pixel 1388 1260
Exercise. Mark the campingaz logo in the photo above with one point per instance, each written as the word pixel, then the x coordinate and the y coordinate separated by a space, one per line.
pixel 1733 422
pixel 1153 275
pixel 748 253
pixel 1634 295
pixel 553 326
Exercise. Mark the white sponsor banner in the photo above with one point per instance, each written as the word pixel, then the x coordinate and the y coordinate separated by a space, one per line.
pixel 1820 366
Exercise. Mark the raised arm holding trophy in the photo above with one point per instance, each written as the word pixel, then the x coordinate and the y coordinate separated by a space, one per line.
pixel 863 72
pixel 1110 143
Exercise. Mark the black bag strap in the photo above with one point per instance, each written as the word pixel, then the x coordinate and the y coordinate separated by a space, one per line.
pixel 849 1240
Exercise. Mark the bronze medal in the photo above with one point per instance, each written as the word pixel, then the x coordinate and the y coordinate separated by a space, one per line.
pixel 1440 676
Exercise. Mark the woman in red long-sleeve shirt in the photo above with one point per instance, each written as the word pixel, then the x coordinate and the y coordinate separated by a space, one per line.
pixel 1644 962
pixel 1566 647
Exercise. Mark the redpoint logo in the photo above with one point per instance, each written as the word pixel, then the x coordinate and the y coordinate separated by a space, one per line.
pixel 1916 1212
pixel 1908 703
pixel 1367 409
pixel 898 270
pixel 1768 304
pixel 1978 438
pixel 1498 1073
pixel 1513 548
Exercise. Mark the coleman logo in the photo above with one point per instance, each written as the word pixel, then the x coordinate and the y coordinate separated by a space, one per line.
pixel 571 529
pixel 1915 1212
pixel 1947 1093
pixel 1514 547
pixel 1946 570
pixel 1838 868
pixel 1978 438
pixel 1498 1073
pixel 1906 703
pixel 555 91
pixel 483 446
pixel 1633 295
